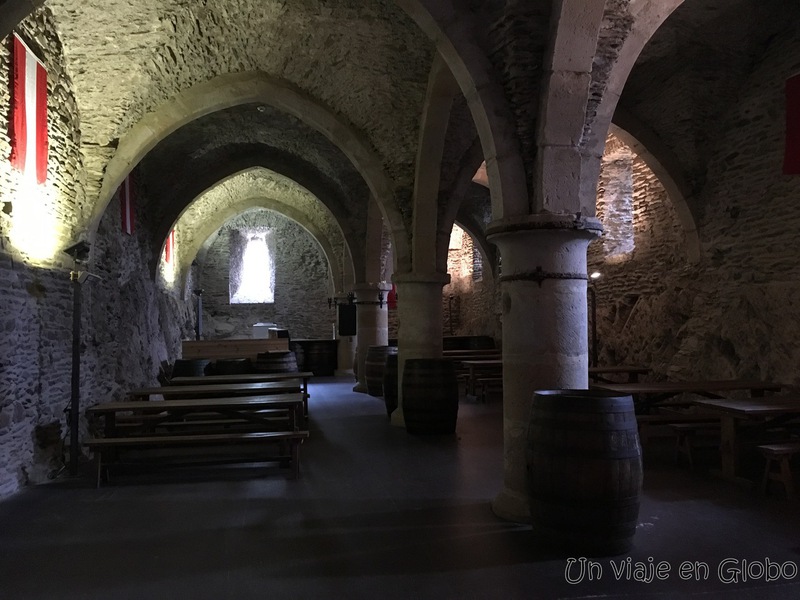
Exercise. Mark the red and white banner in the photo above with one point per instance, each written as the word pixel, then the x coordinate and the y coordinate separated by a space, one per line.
pixel 126 205
pixel 28 113
pixel 169 248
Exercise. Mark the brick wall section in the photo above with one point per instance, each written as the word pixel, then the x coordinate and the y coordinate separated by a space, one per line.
pixel 469 306
pixel 632 284
pixel 301 283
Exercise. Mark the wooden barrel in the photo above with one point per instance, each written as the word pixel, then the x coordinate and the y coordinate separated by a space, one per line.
pixel 321 356
pixel 190 368
pixel 430 395
pixel 584 466
pixel 374 367
pixel 230 366
pixel 390 383
pixel 276 362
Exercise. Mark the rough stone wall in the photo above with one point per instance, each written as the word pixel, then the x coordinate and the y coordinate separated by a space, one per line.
pixel 735 313
pixel 36 297
pixel 629 291
pixel 302 285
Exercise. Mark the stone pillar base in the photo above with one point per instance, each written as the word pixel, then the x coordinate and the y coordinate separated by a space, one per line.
pixel 420 334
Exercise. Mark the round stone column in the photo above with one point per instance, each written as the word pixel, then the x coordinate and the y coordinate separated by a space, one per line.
pixel 419 307
pixel 372 325
pixel 545 343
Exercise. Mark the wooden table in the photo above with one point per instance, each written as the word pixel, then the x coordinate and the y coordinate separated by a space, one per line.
pixel 734 412
pixel 632 373
pixel 648 394
pixel 203 390
pixel 247 378
pixel 495 366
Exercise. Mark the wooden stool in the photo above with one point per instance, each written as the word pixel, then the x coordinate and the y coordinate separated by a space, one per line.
pixel 779 455
pixel 686 440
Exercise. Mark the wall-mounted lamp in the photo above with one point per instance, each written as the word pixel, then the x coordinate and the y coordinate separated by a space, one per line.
pixel 337 300
pixel 79 251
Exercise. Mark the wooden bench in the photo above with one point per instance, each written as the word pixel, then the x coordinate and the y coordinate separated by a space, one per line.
pixel 106 449
pixel 486 386
pixel 659 425
pixel 779 455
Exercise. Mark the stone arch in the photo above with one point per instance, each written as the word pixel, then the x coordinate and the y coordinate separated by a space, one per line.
pixel 205 232
pixel 442 89
pixel 470 163
pixel 648 16
pixel 15 11
pixel 560 164
pixel 246 157
pixel 234 89
pixel 664 166
pixel 452 33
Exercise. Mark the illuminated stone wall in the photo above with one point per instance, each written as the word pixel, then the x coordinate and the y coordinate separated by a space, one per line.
pixel 129 328
pixel 301 283
pixel 36 222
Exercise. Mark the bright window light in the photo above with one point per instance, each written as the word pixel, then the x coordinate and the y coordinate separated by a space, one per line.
pixel 252 278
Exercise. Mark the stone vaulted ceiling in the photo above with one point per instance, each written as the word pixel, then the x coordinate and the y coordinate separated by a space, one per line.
pixel 366 62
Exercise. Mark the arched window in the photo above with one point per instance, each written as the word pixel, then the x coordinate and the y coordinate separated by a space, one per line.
pixel 252 267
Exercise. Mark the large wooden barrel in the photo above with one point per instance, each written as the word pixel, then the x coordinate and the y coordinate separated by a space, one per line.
pixel 321 356
pixel 390 383
pixel 584 470
pixel 374 367
pixel 430 395
pixel 230 366
pixel 189 367
pixel 276 362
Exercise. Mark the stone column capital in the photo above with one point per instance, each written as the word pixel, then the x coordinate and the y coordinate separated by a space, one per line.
pixel 440 279
pixel 367 287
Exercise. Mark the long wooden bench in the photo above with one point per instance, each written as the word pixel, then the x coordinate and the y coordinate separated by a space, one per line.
pixel 106 449
pixel 135 425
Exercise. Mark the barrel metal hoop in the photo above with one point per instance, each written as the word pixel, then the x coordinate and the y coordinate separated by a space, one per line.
pixel 539 275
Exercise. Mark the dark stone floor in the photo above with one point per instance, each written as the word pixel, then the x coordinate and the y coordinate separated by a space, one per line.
pixel 377 513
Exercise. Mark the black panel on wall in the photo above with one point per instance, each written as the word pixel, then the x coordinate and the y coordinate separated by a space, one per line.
pixel 347 319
